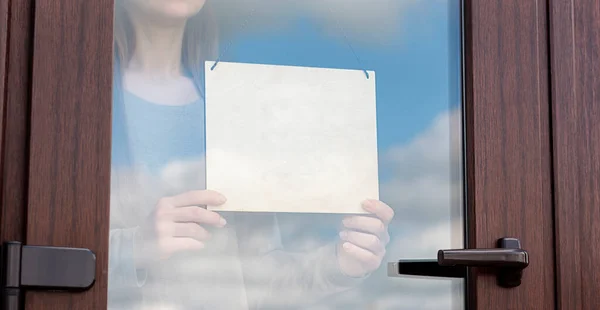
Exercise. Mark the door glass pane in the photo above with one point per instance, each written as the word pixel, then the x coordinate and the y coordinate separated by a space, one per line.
pixel 281 154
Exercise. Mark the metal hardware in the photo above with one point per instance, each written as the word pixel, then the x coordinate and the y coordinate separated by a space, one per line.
pixel 507 261
pixel 27 267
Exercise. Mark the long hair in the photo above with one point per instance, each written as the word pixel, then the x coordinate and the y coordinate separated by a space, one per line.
pixel 200 43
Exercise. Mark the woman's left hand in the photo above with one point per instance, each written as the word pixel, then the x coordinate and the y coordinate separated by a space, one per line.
pixel 364 239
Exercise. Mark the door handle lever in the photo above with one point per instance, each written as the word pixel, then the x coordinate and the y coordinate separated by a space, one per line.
pixel 507 260
pixel 508 255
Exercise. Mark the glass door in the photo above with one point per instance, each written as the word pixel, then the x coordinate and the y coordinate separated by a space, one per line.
pixel 277 155
pixel 283 155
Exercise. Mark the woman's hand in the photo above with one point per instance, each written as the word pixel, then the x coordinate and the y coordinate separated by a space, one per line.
pixel 177 224
pixel 364 239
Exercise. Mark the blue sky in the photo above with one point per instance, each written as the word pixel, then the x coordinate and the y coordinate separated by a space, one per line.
pixel 417 66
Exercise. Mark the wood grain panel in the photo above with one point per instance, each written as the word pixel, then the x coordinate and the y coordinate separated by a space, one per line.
pixel 508 145
pixel 69 178
pixel 15 119
pixel 575 63
pixel 4 13
pixel 4 16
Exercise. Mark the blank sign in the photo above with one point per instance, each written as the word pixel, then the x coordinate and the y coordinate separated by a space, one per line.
pixel 291 139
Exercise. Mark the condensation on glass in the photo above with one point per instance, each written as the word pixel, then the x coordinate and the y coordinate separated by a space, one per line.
pixel 226 117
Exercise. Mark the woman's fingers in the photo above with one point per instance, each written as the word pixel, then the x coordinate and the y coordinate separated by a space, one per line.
pixel 187 230
pixel 366 241
pixel 177 237
pixel 379 209
pixel 369 225
pixel 193 198
pixel 196 215
pixel 367 258
pixel 178 220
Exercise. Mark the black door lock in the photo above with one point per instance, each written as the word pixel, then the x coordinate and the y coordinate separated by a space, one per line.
pixel 507 261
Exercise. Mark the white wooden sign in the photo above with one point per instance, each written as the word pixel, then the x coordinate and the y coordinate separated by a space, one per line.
pixel 291 139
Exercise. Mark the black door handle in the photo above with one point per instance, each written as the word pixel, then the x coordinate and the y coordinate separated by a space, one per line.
pixel 508 255
pixel 508 262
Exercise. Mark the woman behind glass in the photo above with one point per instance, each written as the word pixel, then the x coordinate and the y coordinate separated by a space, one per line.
pixel 166 250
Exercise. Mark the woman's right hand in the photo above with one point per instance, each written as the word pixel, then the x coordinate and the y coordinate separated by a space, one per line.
pixel 178 224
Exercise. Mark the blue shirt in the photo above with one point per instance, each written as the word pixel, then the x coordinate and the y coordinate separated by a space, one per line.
pixel 159 134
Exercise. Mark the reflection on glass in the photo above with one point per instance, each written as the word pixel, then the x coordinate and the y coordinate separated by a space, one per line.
pixel 171 247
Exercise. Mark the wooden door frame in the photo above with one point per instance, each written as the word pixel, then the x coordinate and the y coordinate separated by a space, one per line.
pixel 575 64
pixel 4 17
pixel 16 38
pixel 69 166
pixel 508 153
pixel 508 149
